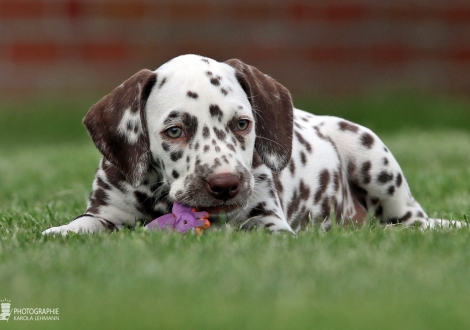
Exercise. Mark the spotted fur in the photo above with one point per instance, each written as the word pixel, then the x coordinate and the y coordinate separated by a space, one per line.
pixel 224 137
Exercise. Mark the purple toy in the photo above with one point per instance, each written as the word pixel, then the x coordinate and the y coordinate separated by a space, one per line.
pixel 182 219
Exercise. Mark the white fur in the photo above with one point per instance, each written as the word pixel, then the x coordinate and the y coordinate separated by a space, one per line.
pixel 132 120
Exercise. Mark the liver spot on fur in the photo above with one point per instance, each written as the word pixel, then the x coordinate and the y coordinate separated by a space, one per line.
pixel 176 155
pixel 384 177
pixel 302 141
pixel 365 170
pixel 215 81
pixel 367 140
pixel 324 180
pixel 192 95
pixel 345 126
pixel 398 180
pixel 206 132
pixel 190 122
pixel 221 135
pixel 407 216
pixel 166 146
pixel 303 158
pixel 215 111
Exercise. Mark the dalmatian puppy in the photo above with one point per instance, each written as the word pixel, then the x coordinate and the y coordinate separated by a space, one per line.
pixel 225 138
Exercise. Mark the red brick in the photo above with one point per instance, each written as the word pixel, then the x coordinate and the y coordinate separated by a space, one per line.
pixel 334 12
pixel 378 53
pixel 96 51
pixel 355 12
pixel 330 54
pixel 259 53
pixel 212 50
pixel 449 14
pixel 123 9
pixel 344 12
pixel 4 47
pixel 301 12
pixel 75 9
pixel 21 9
pixel 189 10
pixel 397 13
pixel 34 52
pixel 390 53
pixel 455 14
pixel 460 54
pixel 247 11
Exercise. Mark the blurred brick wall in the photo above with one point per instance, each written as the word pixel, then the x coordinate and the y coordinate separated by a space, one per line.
pixel 315 47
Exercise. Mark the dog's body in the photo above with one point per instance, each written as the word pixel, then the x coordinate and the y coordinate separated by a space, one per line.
pixel 224 138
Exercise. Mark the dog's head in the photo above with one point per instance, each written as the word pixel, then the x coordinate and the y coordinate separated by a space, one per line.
pixel 203 124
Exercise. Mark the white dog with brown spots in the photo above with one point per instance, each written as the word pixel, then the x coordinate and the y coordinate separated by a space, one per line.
pixel 225 138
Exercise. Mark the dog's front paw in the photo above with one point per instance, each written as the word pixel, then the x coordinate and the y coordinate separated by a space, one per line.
pixel 282 229
pixel 82 224
pixel 61 230
pixel 440 223
pixel 273 224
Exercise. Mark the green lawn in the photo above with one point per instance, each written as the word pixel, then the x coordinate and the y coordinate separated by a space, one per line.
pixel 368 278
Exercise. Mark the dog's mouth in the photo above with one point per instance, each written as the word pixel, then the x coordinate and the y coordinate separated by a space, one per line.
pixel 219 214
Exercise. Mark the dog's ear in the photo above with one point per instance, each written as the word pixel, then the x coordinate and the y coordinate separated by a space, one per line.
pixel 273 109
pixel 118 127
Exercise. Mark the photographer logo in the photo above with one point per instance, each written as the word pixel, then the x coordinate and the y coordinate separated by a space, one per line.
pixel 5 315
pixel 27 314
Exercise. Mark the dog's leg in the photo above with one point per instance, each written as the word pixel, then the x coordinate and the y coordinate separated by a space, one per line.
pixel 374 173
pixel 114 204
pixel 264 207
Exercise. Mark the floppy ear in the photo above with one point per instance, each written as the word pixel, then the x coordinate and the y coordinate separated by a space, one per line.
pixel 117 125
pixel 273 109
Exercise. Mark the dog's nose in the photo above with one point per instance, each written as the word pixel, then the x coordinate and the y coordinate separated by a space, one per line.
pixel 223 186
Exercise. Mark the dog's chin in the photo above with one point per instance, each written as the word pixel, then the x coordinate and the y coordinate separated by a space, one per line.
pixel 219 209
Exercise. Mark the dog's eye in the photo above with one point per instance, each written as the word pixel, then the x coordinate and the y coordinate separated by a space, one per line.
pixel 174 132
pixel 242 124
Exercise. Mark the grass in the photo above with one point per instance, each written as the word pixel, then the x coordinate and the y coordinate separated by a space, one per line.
pixel 368 278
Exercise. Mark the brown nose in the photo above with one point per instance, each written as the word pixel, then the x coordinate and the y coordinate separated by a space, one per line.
pixel 223 186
